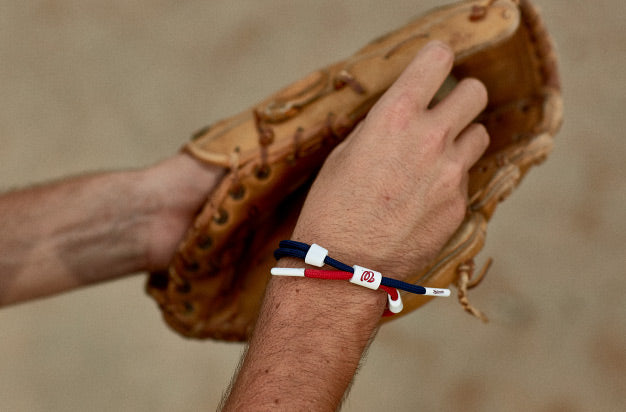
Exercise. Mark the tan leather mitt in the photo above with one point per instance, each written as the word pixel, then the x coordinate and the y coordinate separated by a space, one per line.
pixel 216 281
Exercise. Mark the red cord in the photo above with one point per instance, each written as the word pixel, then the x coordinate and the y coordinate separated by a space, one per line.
pixel 393 292
pixel 327 274
pixel 341 275
pixel 390 291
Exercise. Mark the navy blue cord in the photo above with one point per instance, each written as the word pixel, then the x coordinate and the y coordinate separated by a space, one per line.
pixel 284 252
pixel 291 248
pixel 292 244
pixel 299 250
pixel 398 284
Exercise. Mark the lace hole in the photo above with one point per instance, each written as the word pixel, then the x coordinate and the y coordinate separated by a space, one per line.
pixel 262 172
pixel 221 217
pixel 204 242
pixel 238 192
pixel 188 307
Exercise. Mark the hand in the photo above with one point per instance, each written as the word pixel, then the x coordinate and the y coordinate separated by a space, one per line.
pixel 387 198
pixel 394 192
pixel 176 188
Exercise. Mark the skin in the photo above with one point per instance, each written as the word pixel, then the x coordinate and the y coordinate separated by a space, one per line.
pixel 98 227
pixel 389 207
pixel 311 334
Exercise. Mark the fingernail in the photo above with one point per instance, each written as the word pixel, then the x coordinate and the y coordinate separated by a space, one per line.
pixel 439 51
pixel 437 44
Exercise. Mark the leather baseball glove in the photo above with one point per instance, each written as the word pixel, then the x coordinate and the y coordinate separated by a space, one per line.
pixel 216 281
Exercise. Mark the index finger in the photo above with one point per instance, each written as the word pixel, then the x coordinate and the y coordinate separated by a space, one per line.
pixel 421 79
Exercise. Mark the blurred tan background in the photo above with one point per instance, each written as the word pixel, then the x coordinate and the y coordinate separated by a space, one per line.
pixel 98 85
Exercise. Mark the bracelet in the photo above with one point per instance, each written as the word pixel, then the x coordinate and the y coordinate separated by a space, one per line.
pixel 318 256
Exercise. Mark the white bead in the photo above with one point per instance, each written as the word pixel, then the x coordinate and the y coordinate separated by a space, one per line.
pixel 288 272
pixel 366 277
pixel 316 255
pixel 395 306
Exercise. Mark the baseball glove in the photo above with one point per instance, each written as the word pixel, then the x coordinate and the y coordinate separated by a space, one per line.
pixel 217 278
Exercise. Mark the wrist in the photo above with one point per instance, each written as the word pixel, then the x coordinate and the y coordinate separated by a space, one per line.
pixel 317 256
pixel 172 192
pixel 351 250
pixel 326 324
pixel 340 300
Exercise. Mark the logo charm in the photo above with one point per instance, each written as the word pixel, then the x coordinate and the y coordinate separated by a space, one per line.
pixel 368 276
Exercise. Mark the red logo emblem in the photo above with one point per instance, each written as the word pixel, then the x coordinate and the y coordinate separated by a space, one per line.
pixel 368 276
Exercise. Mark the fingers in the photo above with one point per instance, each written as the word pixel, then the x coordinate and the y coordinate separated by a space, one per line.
pixel 471 144
pixel 461 106
pixel 423 76
pixel 408 99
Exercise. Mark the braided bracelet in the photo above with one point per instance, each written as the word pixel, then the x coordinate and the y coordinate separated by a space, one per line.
pixel 318 256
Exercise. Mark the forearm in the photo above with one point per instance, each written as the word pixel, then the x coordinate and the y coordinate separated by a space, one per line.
pixel 93 228
pixel 71 233
pixel 307 344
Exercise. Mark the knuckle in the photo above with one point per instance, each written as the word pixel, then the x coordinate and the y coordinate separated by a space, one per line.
pixel 456 209
pixel 392 115
pixel 460 210
pixel 460 203
pixel 455 172
pixel 435 138
pixel 450 180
